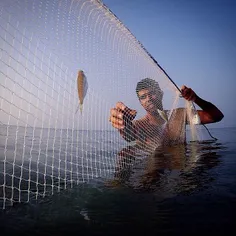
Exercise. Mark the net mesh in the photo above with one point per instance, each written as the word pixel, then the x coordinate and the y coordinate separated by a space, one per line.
pixel 45 146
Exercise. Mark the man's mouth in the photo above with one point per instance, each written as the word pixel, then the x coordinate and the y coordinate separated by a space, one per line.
pixel 150 105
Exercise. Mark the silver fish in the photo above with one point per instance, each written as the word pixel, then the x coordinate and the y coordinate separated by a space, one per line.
pixel 82 87
pixel 163 115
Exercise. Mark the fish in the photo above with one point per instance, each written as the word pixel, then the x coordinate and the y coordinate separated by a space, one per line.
pixel 196 119
pixel 163 115
pixel 82 87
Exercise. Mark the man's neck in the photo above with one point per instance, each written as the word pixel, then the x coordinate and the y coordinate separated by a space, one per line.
pixel 154 118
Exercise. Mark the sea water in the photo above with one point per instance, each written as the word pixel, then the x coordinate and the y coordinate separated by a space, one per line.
pixel 185 189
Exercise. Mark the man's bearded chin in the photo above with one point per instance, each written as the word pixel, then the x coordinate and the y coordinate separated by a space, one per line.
pixel 154 108
pixel 157 105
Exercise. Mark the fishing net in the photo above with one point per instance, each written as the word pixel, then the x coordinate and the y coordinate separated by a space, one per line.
pixel 45 145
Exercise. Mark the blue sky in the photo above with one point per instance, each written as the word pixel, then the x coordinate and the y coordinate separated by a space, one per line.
pixel 46 43
pixel 194 41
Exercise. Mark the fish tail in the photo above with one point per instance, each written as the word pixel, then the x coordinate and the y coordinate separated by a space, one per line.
pixel 77 109
pixel 81 108
pixel 163 115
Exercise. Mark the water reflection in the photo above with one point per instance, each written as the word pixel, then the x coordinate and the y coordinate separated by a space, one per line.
pixel 175 169
pixel 142 196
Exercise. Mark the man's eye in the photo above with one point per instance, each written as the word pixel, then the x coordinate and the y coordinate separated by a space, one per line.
pixel 142 97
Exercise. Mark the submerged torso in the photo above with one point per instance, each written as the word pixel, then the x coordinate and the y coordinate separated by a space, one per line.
pixel 157 132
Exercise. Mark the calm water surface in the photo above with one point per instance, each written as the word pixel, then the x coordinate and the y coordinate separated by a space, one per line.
pixel 186 189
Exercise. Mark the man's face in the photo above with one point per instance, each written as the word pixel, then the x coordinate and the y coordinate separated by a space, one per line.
pixel 150 99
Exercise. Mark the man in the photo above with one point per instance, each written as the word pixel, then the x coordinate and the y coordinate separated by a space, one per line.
pixel 153 128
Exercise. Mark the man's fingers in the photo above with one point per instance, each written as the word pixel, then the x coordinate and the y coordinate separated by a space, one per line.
pixel 116 118
pixel 121 106
pixel 184 90
pixel 121 115
pixel 117 123
pixel 126 111
pixel 192 97
pixel 116 113
pixel 117 126
pixel 183 87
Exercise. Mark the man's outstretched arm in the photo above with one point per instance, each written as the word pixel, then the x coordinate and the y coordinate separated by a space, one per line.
pixel 209 113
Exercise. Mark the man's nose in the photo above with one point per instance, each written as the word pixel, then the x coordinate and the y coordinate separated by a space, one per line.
pixel 150 97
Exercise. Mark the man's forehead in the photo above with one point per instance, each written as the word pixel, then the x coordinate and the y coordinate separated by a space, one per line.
pixel 146 90
pixel 142 91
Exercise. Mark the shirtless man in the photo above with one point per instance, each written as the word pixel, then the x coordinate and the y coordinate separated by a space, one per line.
pixel 149 129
